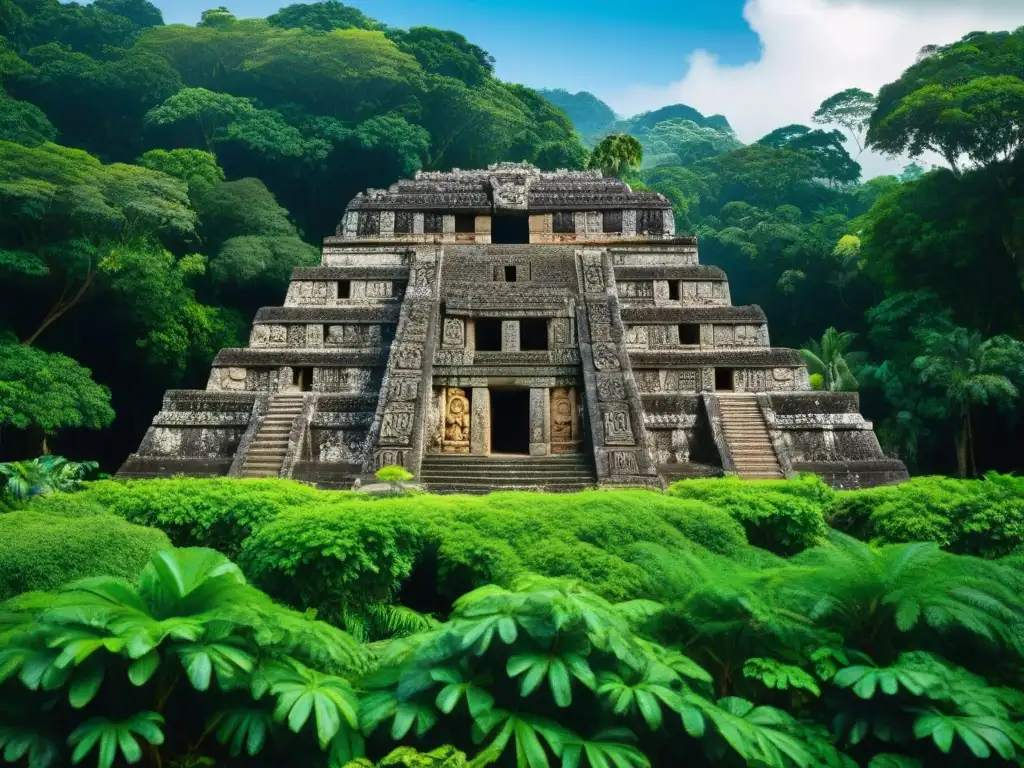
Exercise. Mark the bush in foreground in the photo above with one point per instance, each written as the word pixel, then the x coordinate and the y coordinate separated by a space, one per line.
pixel 42 550
pixel 978 517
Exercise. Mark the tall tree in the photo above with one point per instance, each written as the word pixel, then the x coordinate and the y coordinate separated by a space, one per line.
pixel 966 98
pixel 617 155
pixel 970 371
pixel 46 392
pixel 851 109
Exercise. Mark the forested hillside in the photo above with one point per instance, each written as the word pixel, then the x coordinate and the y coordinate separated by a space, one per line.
pixel 159 182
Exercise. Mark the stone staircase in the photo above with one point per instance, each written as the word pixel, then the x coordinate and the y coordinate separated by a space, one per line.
pixel 743 426
pixel 267 452
pixel 454 473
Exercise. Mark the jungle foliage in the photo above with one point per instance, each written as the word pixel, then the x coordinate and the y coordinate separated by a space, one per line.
pixel 158 183
pixel 605 628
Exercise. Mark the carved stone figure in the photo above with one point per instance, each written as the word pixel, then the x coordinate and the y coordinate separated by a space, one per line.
pixel 456 422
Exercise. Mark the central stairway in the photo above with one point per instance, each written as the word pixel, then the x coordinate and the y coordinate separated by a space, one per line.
pixel 458 473
pixel 743 426
pixel 268 450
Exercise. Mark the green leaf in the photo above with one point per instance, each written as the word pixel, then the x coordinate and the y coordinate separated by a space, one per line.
pixel 113 735
pixel 142 669
pixel 86 683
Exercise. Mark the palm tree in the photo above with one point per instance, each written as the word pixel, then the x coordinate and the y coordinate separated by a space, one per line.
pixel 617 154
pixel 830 360
pixel 970 371
pixel 44 475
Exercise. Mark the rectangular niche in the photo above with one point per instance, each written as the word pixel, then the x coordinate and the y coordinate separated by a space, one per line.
pixel 673 290
pixel 564 223
pixel 612 223
pixel 487 334
pixel 650 222
pixel 403 222
pixel 510 273
pixel 344 289
pixel 533 334
pixel 433 223
pixel 689 333
pixel 369 224
pixel 465 224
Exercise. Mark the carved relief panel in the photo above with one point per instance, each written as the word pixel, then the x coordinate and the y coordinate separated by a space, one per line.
pixel 618 429
pixel 635 289
pixel 565 427
pixel 456 422
pixel 453 335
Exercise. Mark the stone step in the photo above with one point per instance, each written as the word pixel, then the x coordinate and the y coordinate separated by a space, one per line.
pixel 267 453
pixel 477 490
pixel 507 480
pixel 466 461
pixel 264 464
pixel 510 466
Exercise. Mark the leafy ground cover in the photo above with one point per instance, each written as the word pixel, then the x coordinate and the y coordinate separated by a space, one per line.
pixel 604 628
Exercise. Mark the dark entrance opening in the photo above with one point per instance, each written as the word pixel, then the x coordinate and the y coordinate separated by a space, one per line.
pixel 510 230
pixel 465 223
pixel 487 334
pixel 723 380
pixel 510 274
pixel 533 334
pixel 689 333
pixel 302 379
pixel 510 421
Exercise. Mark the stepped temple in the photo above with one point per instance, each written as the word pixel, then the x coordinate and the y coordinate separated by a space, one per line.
pixel 511 327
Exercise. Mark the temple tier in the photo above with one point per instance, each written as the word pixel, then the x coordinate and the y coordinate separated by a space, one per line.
pixel 511 327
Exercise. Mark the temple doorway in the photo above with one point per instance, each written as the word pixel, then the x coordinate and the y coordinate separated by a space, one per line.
pixel 302 379
pixel 510 421
pixel 510 230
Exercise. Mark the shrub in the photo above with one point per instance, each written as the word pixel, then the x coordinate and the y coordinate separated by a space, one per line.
pixel 218 513
pixel 978 517
pixel 99 665
pixel 40 551
pixel 784 516
pixel 394 475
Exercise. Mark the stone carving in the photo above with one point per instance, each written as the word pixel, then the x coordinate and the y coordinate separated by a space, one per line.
pixel 598 313
pixel 593 273
pixel 403 388
pixel 408 357
pixel 396 425
pixel 622 463
pixel 509 335
pixel 617 427
pixel 561 332
pixel 423 274
pixel 561 417
pixel 454 334
pixel 456 422
pixel 606 357
pixel 610 387
pixel 631 289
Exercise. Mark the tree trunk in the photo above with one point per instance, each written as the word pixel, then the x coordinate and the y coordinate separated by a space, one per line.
pixel 961 449
pixel 970 445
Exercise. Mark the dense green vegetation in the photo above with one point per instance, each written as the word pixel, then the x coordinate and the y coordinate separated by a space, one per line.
pixel 157 185
pixel 605 628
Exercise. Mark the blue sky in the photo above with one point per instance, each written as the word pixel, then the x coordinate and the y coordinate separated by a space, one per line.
pixel 593 45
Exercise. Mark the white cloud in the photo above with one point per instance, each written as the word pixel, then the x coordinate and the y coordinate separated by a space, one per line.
pixel 811 49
